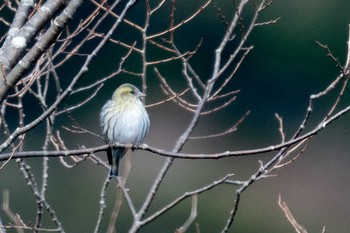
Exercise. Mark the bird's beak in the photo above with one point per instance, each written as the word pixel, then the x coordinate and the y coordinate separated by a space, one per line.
pixel 140 94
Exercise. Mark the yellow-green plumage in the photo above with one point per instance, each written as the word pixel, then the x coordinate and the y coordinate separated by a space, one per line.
pixel 123 119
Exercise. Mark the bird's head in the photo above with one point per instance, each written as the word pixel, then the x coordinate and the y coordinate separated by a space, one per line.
pixel 127 91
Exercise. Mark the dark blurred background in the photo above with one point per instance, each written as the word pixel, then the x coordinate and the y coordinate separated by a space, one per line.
pixel 285 67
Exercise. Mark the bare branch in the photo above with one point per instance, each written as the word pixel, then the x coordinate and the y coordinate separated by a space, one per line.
pixel 232 129
pixel 191 218
pixel 6 207
pixel 181 23
pixel 330 54
pixel 283 205
pixel 294 140
pixel 184 196
pixel 347 64
pixel 102 204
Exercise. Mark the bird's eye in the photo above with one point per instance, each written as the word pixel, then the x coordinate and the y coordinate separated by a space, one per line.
pixel 134 91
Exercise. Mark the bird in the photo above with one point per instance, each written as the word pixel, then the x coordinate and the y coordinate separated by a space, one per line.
pixel 123 119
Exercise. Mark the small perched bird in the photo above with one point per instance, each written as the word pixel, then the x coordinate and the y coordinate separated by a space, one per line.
pixel 123 119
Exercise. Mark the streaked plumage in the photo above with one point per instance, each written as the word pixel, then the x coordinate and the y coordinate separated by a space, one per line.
pixel 123 119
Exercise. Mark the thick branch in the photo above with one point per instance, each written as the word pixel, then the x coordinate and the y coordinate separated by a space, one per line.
pixel 40 47
pixel 30 154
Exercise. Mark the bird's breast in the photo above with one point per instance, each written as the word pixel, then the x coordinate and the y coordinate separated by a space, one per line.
pixel 128 125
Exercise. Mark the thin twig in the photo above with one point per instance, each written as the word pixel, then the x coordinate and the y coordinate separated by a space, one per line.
pixel 102 204
pixel 283 205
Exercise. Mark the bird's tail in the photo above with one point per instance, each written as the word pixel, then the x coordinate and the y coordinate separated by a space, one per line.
pixel 115 154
